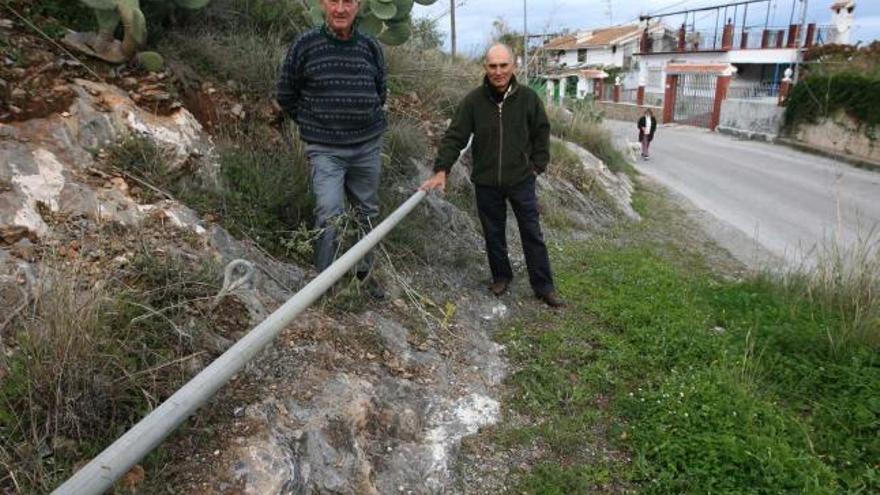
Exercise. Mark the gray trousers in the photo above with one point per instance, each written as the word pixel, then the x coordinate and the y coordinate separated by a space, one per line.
pixel 337 173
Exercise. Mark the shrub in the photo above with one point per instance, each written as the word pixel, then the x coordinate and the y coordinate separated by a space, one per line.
pixel 263 191
pixel 264 195
pixel 822 96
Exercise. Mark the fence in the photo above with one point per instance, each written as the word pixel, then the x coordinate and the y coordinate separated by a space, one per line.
pixel 629 95
pixel 762 90
pixel 98 476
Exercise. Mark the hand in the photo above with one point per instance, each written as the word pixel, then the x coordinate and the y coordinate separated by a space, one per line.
pixel 437 181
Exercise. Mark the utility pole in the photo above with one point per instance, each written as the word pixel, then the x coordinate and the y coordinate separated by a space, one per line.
pixel 452 24
pixel 800 43
pixel 525 45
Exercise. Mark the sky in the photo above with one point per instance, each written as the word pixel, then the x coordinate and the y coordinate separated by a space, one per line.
pixel 474 17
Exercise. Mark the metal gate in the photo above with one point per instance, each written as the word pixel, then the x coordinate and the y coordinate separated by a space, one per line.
pixel 695 99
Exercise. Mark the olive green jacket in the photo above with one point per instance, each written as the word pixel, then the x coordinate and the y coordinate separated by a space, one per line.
pixel 511 138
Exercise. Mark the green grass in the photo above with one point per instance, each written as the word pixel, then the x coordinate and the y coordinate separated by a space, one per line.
pixel 710 386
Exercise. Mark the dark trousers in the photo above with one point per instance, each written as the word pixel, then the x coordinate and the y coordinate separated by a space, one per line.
pixel 492 208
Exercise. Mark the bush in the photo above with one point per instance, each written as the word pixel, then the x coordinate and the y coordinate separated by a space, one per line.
pixel 263 195
pixel 822 96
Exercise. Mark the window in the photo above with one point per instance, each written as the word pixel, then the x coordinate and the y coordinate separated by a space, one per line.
pixel 613 49
pixel 582 56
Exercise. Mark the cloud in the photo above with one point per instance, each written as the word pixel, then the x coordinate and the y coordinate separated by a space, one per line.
pixel 474 18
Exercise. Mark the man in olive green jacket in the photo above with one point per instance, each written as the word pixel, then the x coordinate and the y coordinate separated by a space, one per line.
pixel 511 146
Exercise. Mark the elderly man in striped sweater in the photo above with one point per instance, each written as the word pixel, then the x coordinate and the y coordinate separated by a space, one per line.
pixel 332 85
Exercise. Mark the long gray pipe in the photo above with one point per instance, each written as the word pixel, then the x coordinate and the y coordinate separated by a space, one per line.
pixel 98 476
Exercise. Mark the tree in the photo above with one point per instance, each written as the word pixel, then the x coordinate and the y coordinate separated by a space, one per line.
pixel 503 33
pixel 426 35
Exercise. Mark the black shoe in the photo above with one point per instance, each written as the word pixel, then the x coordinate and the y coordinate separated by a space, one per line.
pixel 371 286
pixel 499 287
pixel 552 299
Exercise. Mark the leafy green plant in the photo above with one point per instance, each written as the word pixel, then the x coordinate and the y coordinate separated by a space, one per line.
pixel 388 20
pixel 822 96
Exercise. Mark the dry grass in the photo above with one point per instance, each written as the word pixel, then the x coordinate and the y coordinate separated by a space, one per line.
pixel 439 81
pixel 89 358
pixel 845 281
pixel 584 127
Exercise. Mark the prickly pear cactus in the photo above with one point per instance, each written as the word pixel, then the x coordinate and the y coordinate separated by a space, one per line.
pixel 388 20
pixel 109 13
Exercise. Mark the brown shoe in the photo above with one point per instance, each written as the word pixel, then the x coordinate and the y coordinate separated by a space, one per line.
pixel 499 287
pixel 552 299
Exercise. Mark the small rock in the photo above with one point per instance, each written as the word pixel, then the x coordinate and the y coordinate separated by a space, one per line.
pixel 6 24
pixel 18 94
pixel 65 114
pixel 134 477
pixel 119 184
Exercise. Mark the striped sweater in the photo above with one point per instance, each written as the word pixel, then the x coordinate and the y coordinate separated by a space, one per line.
pixel 334 89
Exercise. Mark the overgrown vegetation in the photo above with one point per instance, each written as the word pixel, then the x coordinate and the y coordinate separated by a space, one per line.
pixel 823 96
pixel 838 79
pixel 262 192
pixel 709 386
pixel 584 127
pixel 92 357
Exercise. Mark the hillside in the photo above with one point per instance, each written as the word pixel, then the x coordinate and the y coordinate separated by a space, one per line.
pixel 125 194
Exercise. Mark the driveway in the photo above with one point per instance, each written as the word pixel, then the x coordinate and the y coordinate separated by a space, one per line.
pixel 788 202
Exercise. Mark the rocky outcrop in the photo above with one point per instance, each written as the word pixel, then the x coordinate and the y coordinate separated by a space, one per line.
pixel 46 162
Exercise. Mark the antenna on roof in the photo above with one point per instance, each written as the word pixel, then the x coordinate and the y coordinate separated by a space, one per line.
pixel 609 12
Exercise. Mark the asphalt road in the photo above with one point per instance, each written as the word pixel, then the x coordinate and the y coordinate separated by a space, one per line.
pixel 790 203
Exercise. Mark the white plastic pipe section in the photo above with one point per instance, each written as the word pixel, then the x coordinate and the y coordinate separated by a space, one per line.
pixel 98 476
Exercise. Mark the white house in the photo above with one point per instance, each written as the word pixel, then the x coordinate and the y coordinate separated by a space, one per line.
pixel 759 54
pixel 605 48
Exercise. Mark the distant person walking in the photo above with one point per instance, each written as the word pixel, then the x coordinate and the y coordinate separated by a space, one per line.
pixel 333 86
pixel 511 142
pixel 647 128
